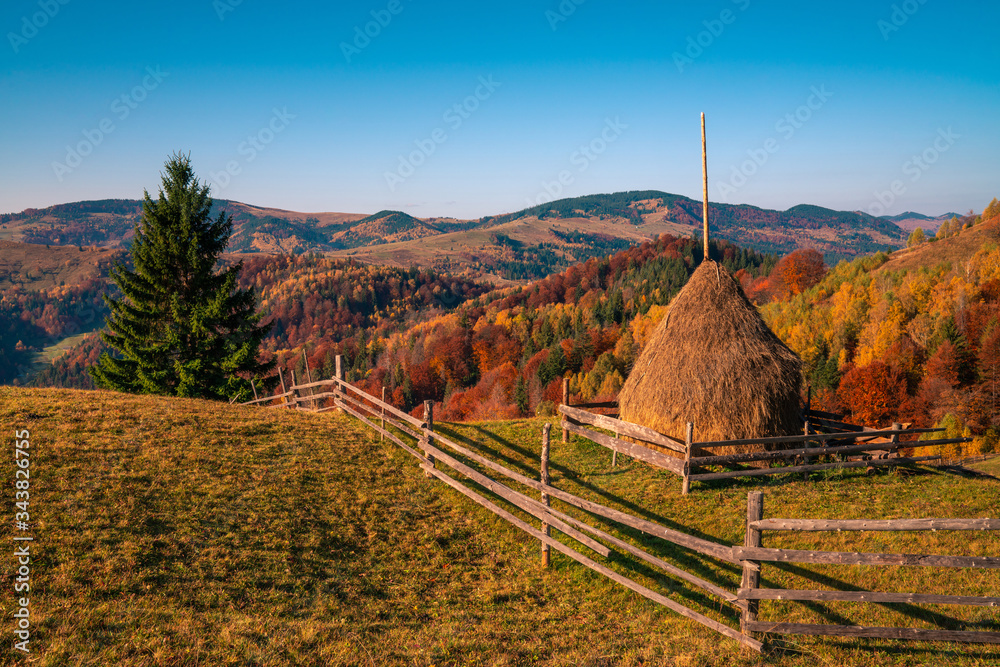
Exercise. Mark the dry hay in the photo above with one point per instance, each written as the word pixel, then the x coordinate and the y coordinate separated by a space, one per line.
pixel 714 362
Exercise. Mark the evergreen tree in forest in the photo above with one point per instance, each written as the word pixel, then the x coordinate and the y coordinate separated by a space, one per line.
pixel 521 395
pixel 181 329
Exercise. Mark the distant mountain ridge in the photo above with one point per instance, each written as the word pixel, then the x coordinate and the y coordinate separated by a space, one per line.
pixel 521 245
pixel 910 220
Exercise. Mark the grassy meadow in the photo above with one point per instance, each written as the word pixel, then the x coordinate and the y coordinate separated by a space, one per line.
pixel 185 532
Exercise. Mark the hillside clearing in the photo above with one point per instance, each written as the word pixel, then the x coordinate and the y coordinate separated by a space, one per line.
pixel 182 532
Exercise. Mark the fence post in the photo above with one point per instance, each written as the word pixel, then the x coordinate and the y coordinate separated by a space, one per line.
pixel 294 404
pixel 544 478
pixel 686 484
pixel 254 387
pixel 338 373
pixel 894 447
pixel 565 401
pixel 381 436
pixel 806 460
pixel 309 377
pixel 284 390
pixel 751 569
pixel 429 419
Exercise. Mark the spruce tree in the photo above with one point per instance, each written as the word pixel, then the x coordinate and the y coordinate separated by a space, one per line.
pixel 181 328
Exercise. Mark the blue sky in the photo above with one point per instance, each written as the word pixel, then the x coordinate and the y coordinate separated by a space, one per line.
pixel 472 109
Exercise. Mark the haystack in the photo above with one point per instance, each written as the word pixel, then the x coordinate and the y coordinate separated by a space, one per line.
pixel 714 362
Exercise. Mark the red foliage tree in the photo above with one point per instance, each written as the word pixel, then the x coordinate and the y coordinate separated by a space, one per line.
pixel 944 364
pixel 873 393
pixel 798 271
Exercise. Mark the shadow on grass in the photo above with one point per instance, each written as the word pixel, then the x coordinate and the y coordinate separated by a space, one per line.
pixel 910 610
pixel 931 655
pixel 682 557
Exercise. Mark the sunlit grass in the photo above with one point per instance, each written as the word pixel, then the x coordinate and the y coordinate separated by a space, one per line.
pixel 181 532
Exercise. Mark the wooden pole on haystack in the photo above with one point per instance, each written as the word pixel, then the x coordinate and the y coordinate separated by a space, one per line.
pixel 704 182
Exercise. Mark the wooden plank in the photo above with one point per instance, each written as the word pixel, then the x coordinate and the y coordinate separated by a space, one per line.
pixel 623 428
pixel 267 398
pixel 565 402
pixel 602 404
pixel 914 634
pixel 785 439
pixel 658 459
pixel 313 385
pixel 816 420
pixel 387 406
pixel 543 477
pixel 530 505
pixel 401 426
pixel 778 454
pixel 661 564
pixel 346 408
pixel 281 377
pixel 815 466
pixel 706 547
pixel 686 466
pixel 867 596
pixel 313 397
pixel 428 429
pixel 824 415
pixel 852 558
pixel 600 569
pixel 877 524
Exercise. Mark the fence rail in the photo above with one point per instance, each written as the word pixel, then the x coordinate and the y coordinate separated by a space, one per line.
pixel 753 555
pixel 876 447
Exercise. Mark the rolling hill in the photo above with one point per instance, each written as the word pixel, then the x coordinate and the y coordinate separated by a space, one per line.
pixel 910 220
pixel 517 246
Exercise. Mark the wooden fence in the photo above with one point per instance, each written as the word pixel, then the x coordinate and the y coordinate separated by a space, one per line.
pixel 844 446
pixel 437 453
pixel 753 554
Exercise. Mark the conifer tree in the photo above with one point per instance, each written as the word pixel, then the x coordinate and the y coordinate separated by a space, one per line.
pixel 181 328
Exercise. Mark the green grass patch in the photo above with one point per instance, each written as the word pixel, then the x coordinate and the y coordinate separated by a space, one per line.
pixel 183 532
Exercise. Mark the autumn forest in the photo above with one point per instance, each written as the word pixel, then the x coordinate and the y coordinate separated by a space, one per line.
pixel 912 336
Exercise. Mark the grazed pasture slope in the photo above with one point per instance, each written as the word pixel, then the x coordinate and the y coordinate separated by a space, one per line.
pixel 182 532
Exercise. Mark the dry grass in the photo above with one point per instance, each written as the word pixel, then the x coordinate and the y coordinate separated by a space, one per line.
pixel 37 267
pixel 713 361
pixel 182 532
